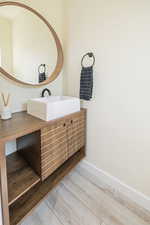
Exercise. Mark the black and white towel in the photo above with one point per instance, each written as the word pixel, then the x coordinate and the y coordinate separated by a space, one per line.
pixel 86 83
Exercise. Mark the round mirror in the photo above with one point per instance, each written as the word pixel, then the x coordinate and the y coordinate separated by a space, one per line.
pixel 30 50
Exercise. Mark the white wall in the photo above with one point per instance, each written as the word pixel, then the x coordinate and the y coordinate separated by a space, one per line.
pixel 118 131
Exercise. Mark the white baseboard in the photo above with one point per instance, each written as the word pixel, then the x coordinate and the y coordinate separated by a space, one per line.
pixel 117 185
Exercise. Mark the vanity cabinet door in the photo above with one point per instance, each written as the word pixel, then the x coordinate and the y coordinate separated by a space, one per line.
pixel 54 147
pixel 76 133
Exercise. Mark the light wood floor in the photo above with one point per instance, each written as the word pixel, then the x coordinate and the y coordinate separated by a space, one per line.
pixel 80 199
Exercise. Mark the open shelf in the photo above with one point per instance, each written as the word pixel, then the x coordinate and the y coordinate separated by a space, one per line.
pixel 24 205
pixel 21 177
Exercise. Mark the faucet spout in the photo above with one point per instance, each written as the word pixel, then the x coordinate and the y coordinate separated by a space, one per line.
pixel 46 90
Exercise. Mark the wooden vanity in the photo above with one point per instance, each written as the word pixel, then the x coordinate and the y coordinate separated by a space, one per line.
pixel 46 152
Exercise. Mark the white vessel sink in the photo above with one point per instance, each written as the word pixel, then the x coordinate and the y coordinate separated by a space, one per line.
pixel 53 107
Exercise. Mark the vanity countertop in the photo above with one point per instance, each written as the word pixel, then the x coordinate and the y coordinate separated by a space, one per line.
pixel 21 124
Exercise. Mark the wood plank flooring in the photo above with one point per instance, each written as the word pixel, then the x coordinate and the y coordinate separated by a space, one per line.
pixel 80 199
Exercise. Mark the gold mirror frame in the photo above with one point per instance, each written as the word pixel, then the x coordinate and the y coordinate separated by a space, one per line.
pixel 59 63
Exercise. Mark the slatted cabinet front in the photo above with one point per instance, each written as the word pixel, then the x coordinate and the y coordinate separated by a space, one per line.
pixel 60 140
pixel 54 147
pixel 76 133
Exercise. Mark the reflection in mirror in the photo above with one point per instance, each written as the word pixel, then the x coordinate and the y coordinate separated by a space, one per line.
pixel 27 48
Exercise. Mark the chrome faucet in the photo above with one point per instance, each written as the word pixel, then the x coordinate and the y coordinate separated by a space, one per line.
pixel 46 90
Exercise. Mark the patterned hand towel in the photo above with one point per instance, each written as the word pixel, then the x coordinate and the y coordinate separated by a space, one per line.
pixel 86 83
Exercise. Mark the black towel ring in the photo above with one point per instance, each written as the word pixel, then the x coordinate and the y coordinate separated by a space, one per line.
pixel 90 54
pixel 42 67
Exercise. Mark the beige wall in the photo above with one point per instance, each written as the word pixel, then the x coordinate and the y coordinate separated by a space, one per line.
pixel 118 131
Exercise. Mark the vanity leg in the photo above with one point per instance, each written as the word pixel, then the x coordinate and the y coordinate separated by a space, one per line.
pixel 3 185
